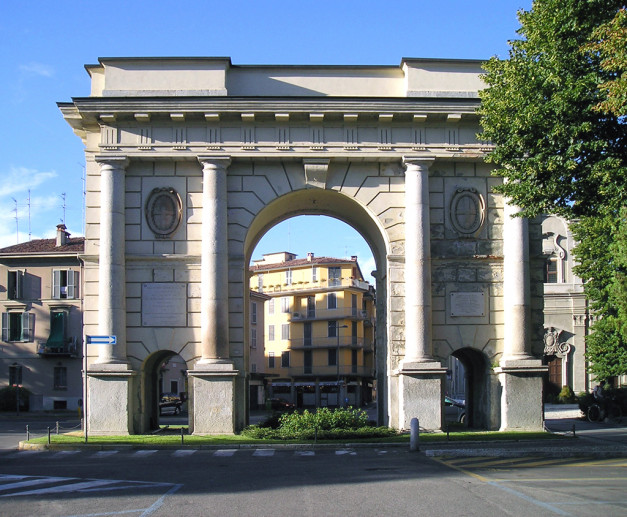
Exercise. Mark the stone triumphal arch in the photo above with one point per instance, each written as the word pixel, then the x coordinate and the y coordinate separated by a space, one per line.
pixel 190 160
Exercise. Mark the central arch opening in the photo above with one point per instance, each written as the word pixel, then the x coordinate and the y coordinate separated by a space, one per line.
pixel 316 305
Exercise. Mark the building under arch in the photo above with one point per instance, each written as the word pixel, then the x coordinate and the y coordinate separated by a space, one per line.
pixel 190 160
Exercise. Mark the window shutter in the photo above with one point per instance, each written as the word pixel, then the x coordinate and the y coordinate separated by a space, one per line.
pixel 27 326
pixel 5 326
pixel 18 285
pixel 71 283
pixel 56 284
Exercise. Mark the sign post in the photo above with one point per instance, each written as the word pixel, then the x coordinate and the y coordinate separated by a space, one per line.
pixel 92 340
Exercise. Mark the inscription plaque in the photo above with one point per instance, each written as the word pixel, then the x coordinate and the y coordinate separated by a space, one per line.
pixel 467 304
pixel 164 305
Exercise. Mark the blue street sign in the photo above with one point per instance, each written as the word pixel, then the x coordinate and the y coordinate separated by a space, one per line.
pixel 101 340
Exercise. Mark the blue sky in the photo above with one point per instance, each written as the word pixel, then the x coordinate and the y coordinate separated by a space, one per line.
pixel 45 45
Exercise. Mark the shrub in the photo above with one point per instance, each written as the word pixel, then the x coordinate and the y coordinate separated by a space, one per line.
pixel 323 424
pixel 566 396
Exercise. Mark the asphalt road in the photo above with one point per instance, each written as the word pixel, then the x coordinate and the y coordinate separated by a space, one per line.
pixel 280 482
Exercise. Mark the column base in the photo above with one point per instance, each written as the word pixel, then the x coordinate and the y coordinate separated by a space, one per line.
pixel 109 407
pixel 213 399
pixel 421 389
pixel 521 397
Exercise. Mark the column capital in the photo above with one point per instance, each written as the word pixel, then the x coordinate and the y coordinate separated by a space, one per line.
pixel 217 162
pixel 116 161
pixel 423 162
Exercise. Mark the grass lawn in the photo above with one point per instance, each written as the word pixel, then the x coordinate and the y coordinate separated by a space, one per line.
pixel 172 437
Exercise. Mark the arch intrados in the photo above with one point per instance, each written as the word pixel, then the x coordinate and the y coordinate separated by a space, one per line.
pixel 471 357
pixel 319 202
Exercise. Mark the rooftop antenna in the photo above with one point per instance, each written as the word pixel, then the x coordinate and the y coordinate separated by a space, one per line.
pixel 17 225
pixel 29 232
pixel 63 197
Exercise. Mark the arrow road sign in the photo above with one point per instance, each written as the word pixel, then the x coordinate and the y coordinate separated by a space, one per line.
pixel 101 340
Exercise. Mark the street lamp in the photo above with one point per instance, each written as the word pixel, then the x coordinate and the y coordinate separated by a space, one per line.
pixel 337 359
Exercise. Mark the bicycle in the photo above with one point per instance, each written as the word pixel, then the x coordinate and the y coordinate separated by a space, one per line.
pixel 600 412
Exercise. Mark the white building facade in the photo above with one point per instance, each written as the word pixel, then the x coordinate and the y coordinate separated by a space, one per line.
pixel 191 160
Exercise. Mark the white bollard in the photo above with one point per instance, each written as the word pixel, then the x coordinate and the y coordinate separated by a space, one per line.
pixel 414 436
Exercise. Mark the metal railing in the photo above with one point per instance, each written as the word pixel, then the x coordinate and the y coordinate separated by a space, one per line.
pixel 330 342
pixel 339 313
pixel 331 371
pixel 320 284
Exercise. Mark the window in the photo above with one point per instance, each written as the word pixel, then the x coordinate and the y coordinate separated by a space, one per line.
pixel 308 361
pixel 17 326
pixel 334 276
pixel 552 271
pixel 60 378
pixel 314 274
pixel 270 359
pixel 332 301
pixel 64 284
pixel 271 306
pixel 332 353
pixel 285 331
pixel 285 359
pixel 58 325
pixel 354 361
pixel 253 313
pixel 285 304
pixel 332 329
pixel 15 375
pixel 253 368
pixel 260 282
pixel 253 338
pixel 307 333
pixel 14 285
pixel 270 332
pixel 288 277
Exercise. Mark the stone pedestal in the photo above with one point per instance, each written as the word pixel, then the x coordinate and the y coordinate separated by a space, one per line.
pixel 110 410
pixel 521 399
pixel 213 399
pixel 421 389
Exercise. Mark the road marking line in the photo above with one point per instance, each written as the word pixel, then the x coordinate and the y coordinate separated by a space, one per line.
pixel 546 480
pixel 73 487
pixel 264 452
pixel 61 454
pixel 529 499
pixel 225 452
pixel 304 453
pixel 31 482
pixel 159 502
pixel 614 462
pixel 462 470
pixel 183 452
pixel 341 452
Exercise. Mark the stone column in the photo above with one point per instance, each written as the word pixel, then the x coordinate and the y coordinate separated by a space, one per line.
pixel 418 347
pixel 213 377
pixel 516 289
pixel 421 378
pixel 109 406
pixel 520 374
pixel 112 264
pixel 214 263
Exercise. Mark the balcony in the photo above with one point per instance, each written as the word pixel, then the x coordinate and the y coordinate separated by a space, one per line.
pixel 320 285
pixel 67 349
pixel 330 342
pixel 341 313
pixel 331 371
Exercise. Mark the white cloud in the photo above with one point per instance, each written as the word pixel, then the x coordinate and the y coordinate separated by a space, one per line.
pixel 21 179
pixel 37 69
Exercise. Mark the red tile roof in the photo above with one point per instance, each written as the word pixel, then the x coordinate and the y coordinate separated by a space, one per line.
pixel 73 245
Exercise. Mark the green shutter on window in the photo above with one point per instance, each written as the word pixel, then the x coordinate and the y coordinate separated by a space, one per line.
pixel 57 330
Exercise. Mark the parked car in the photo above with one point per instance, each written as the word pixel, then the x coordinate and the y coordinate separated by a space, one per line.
pixel 455 410
pixel 170 403
pixel 278 404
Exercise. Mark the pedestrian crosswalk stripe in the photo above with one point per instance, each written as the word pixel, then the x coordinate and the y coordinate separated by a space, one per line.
pixel 104 454
pixel 342 452
pixel 184 452
pixel 224 452
pixel 146 452
pixel 73 487
pixel 62 454
pixel 304 453
pixel 264 452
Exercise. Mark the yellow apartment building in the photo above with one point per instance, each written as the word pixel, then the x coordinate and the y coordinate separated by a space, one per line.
pixel 319 329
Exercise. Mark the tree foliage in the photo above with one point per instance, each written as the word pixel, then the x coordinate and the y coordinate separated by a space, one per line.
pixel 555 112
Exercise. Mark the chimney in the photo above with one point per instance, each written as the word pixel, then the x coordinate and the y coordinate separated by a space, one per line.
pixel 310 257
pixel 354 258
pixel 62 235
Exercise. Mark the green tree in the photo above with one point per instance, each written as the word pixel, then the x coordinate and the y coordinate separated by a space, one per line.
pixel 561 144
